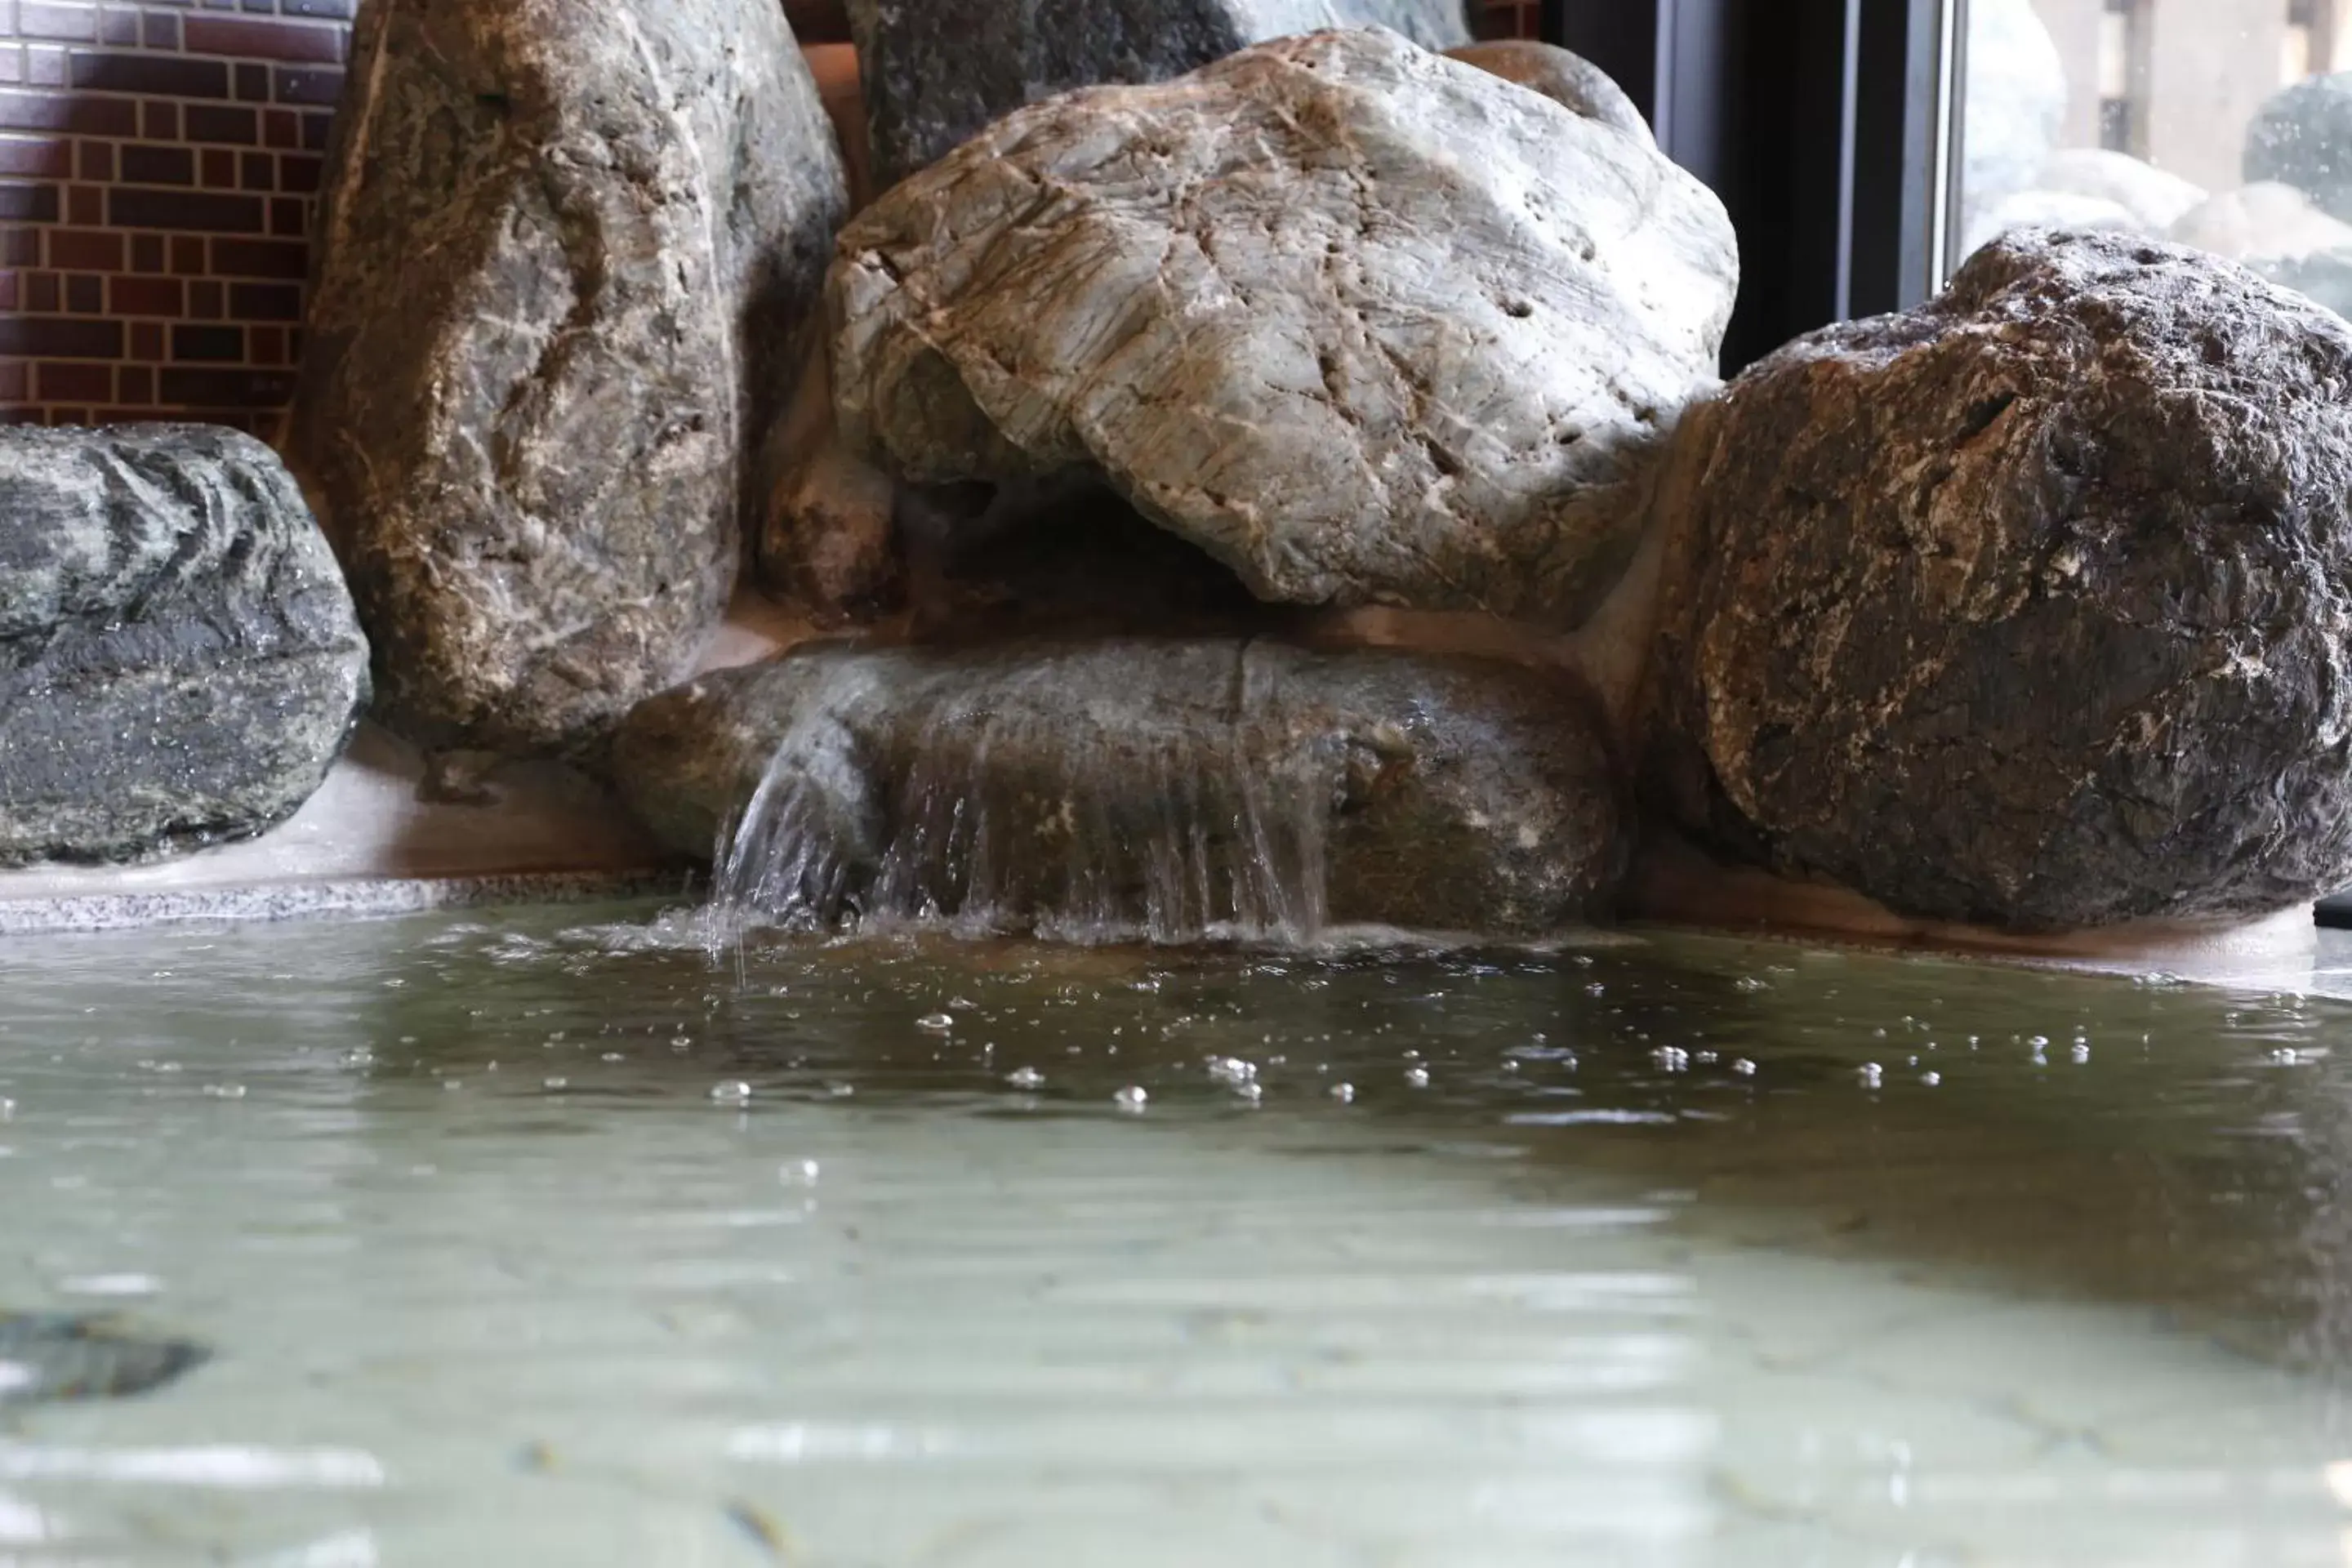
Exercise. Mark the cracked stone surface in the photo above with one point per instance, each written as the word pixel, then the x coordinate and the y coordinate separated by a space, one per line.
pixel 2029 607
pixel 179 659
pixel 1367 325
pixel 1166 783
pixel 937 73
pixel 569 254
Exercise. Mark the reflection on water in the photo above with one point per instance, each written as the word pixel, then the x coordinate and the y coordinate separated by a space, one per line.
pixel 1673 1250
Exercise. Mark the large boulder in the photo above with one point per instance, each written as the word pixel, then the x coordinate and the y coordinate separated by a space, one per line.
pixel 2261 220
pixel 1569 79
pixel 2302 137
pixel 567 253
pixel 1169 787
pixel 1367 325
pixel 937 72
pixel 179 659
pixel 2016 104
pixel 2029 607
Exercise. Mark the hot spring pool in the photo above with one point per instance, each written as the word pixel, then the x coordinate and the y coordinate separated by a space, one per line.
pixel 1669 1250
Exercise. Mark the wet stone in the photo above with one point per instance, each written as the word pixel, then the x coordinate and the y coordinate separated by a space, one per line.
pixel 2029 607
pixel 1115 787
pixel 938 71
pixel 569 256
pixel 180 662
pixel 50 1357
pixel 1366 324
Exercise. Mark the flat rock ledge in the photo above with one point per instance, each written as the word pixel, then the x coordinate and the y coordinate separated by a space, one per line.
pixel 567 254
pixel 2027 609
pixel 180 662
pixel 1166 788
pixel 1367 325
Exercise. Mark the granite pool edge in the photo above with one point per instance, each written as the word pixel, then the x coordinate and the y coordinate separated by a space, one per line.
pixel 350 898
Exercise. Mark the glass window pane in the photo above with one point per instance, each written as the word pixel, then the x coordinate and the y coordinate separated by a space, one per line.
pixel 2222 123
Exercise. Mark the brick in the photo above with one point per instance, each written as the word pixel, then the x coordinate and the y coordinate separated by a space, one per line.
pixel 86 205
pixel 44 66
pixel 26 155
pixel 160 76
pixel 158 166
pixel 252 82
pixel 261 258
pixel 135 383
pixel 67 416
pixel 133 208
pixel 281 128
pixel 23 416
pixel 220 122
pixel 86 250
pixel 256 171
pixel 146 340
pixel 264 301
pixel 11 288
pixel 217 345
pixel 147 253
pixel 50 19
pixel 16 383
pixel 316 129
pixel 85 295
pixel 227 388
pixel 98 162
pixel 206 300
pixel 309 84
pixel 219 168
pixel 43 293
pixel 117 27
pixel 20 247
pixel 94 381
pixel 268 345
pixel 187 254
pixel 272 40
pixel 162 30
pixel 89 116
pixel 163 121
pixel 300 172
pixel 61 337
pixel 28 204
pixel 148 296
pixel 331 10
pixel 289 218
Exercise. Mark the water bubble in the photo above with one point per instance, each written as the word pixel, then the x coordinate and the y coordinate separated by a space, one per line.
pixel 1250 1091
pixel 841 1090
pixel 936 1023
pixel 798 1172
pixel 556 1083
pixel 1671 1058
pixel 2286 1057
pixel 1232 1070
pixel 1751 984
pixel 1872 1075
pixel 1131 1100
pixel 1744 1068
pixel 733 1092
pixel 1931 1079
pixel 2079 1052
pixel 2038 1041
pixel 1343 1093
pixel 613 1057
pixel 453 1083
pixel 1025 1078
pixel 226 1090
pixel 1418 1077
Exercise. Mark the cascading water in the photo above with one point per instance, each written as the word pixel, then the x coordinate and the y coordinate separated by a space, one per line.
pixel 1024 805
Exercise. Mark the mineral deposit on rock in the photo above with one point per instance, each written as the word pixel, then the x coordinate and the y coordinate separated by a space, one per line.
pixel 938 71
pixel 2031 608
pixel 568 250
pixel 1368 324
pixel 1168 786
pixel 179 659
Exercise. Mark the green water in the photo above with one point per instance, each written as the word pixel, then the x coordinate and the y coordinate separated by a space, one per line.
pixel 1620 1255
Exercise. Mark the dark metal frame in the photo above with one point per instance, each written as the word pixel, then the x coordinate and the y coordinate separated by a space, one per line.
pixel 1824 124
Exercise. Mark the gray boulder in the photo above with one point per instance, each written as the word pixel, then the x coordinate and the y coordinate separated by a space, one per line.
pixel 567 255
pixel 2302 137
pixel 179 659
pixel 2031 608
pixel 937 72
pixel 1166 787
pixel 1367 325
pixel 1569 79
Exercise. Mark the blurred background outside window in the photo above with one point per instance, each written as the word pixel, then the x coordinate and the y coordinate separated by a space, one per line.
pixel 2222 123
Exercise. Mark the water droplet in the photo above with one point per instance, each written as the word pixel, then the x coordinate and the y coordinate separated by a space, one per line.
pixel 1418 1077
pixel 2079 1052
pixel 1232 1069
pixel 936 1023
pixel 798 1173
pixel 1131 1100
pixel 1671 1058
pixel 733 1092
pixel 1931 1079
pixel 1025 1078
pixel 613 1057
pixel 226 1090
pixel 841 1090
pixel 1250 1091
pixel 1872 1075
pixel 557 1083
pixel 1744 1068
pixel 1343 1093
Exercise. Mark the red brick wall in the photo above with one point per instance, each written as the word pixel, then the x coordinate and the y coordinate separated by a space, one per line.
pixel 159 163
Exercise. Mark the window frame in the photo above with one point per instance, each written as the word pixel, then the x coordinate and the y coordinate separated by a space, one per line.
pixel 1828 127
